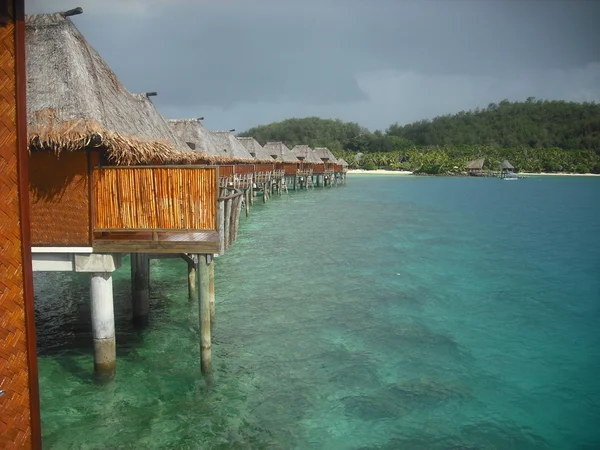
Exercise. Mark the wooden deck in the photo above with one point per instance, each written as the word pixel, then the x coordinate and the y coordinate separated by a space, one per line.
pixel 204 242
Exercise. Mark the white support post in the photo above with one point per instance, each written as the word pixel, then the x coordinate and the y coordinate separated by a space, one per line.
pixel 103 322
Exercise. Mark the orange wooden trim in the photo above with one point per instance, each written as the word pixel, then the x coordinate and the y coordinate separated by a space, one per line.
pixel 23 158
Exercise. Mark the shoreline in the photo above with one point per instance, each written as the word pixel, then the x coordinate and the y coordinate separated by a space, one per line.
pixel 527 174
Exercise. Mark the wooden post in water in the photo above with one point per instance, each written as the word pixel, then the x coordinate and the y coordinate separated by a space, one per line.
pixel 192 294
pixel 140 288
pixel 221 218
pixel 247 201
pixel 227 223
pixel 211 290
pixel 103 323
pixel 237 218
pixel 204 311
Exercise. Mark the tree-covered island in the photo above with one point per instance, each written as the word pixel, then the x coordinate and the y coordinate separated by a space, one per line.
pixel 534 135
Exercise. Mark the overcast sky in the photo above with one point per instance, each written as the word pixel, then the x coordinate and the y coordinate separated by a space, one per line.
pixel 241 63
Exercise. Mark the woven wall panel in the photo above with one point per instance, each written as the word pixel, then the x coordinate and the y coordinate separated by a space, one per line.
pixel 15 415
pixel 243 169
pixel 290 169
pixel 225 171
pixel 59 198
pixel 264 167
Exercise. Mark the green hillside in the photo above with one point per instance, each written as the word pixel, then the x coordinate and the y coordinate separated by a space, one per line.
pixel 535 135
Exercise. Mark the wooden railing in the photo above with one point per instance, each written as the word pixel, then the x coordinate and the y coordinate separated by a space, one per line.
pixel 230 205
pixel 152 198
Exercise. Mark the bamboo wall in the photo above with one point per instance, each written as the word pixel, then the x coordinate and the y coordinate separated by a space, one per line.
pixel 59 196
pixel 19 407
pixel 155 198
pixel 318 168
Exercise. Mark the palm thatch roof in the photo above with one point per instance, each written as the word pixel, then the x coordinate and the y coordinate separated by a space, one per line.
pixel 476 164
pixel 343 162
pixel 280 152
pixel 228 145
pixel 306 154
pixel 506 165
pixel 199 139
pixel 165 128
pixel 74 100
pixel 255 149
pixel 325 154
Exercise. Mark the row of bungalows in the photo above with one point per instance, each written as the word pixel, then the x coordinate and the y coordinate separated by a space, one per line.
pixel 109 175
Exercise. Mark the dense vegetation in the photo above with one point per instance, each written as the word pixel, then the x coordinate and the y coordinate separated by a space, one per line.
pixel 535 135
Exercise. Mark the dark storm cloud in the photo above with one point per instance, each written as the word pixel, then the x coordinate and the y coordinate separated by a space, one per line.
pixel 292 56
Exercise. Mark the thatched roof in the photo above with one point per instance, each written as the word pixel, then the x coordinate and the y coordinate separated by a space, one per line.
pixel 164 128
pixel 307 154
pixel 325 154
pixel 343 162
pixel 255 149
pixel 228 145
pixel 280 152
pixel 476 164
pixel 506 165
pixel 198 138
pixel 74 100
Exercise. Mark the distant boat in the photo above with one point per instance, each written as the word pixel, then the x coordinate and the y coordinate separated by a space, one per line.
pixel 509 176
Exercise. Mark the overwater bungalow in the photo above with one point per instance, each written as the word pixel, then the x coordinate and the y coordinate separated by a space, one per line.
pixel 475 167
pixel 107 177
pixel 306 155
pixel 284 160
pixel 329 161
pixel 308 162
pixel 506 171
pixel 82 124
pixel 242 167
pixel 264 165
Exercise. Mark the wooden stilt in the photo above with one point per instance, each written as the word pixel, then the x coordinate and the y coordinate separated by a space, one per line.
pixel 140 288
pixel 221 217
pixel 211 290
pixel 247 201
pixel 237 218
pixel 204 311
pixel 192 283
pixel 227 223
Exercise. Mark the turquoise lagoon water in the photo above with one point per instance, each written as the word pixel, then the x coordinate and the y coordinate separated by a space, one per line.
pixel 391 313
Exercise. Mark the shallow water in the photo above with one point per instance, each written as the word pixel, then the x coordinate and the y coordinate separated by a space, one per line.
pixel 391 313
